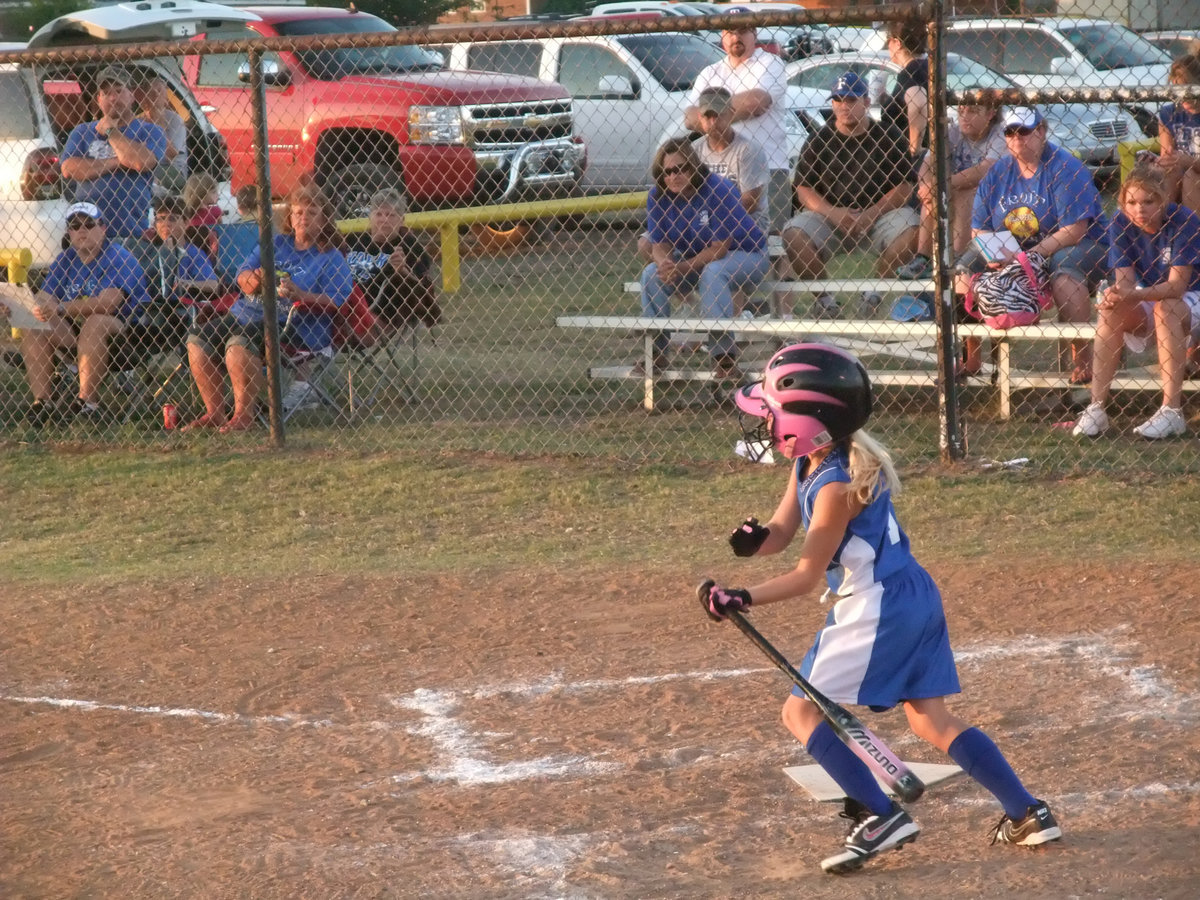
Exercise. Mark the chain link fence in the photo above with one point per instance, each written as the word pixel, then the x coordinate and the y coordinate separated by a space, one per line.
pixel 309 228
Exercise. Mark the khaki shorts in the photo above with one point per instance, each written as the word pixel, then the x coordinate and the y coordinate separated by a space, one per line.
pixel 887 229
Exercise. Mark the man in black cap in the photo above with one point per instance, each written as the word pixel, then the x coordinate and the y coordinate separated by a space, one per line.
pixel 112 160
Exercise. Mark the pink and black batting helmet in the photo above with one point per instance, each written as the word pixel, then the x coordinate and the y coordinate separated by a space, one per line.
pixel 815 393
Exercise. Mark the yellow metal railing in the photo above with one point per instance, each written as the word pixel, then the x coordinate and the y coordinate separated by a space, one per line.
pixel 447 221
pixel 18 260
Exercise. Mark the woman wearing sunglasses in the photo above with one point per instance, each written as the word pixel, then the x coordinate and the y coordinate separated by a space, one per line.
pixel 1046 199
pixel 92 289
pixel 701 239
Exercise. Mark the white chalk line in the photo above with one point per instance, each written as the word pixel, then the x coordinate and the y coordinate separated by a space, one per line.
pixel 467 762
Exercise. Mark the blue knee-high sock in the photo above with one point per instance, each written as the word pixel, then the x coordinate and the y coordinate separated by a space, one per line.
pixel 850 772
pixel 980 758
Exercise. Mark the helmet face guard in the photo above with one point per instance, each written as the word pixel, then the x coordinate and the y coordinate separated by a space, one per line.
pixel 812 394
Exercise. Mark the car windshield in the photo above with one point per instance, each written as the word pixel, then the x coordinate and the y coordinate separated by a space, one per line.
pixel 1108 47
pixel 963 74
pixel 673 59
pixel 329 65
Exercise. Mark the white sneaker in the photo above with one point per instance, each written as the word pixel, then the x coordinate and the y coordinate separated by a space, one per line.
pixel 1167 422
pixel 300 396
pixel 1092 423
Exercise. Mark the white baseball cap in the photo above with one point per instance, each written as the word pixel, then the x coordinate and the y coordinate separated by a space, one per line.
pixel 91 210
pixel 1022 117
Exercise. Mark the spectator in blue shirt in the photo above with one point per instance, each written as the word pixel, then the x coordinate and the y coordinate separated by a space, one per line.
pixel 1154 252
pixel 701 239
pixel 112 160
pixel 311 275
pixel 1179 136
pixel 92 290
pixel 1046 199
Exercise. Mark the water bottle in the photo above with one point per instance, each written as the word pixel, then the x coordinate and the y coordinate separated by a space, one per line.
pixel 1100 289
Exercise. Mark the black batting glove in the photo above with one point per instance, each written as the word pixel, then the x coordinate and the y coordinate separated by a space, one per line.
pixel 748 537
pixel 718 601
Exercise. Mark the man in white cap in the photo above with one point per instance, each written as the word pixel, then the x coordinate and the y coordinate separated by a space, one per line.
pixel 93 291
pixel 757 84
pixel 112 160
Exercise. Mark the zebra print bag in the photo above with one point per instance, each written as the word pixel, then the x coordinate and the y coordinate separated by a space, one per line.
pixel 1013 295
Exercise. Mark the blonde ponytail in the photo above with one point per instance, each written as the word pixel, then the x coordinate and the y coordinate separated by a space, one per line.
pixel 871 468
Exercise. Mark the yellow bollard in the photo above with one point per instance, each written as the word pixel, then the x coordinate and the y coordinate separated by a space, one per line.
pixel 18 260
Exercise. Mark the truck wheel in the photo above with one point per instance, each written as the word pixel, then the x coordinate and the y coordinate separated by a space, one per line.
pixel 352 188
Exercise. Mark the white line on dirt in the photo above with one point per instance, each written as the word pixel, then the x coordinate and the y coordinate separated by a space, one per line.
pixel 172 712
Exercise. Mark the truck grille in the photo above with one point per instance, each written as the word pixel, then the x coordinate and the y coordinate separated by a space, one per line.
pixel 497 126
pixel 1109 129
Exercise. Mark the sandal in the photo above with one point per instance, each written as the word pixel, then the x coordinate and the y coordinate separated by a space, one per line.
pixel 1081 375
pixel 237 424
pixel 208 420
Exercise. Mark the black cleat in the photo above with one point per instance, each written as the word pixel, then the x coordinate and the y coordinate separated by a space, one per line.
pixel 1038 827
pixel 871 836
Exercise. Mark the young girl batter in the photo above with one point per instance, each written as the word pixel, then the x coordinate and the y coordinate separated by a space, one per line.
pixel 885 640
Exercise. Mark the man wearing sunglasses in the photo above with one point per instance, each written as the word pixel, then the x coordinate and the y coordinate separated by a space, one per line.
pixel 92 289
pixel 112 160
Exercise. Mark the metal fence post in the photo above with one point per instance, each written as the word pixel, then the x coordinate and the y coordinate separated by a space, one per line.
pixel 266 227
pixel 951 445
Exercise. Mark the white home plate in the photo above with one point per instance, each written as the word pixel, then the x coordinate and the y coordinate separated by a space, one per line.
pixel 814 780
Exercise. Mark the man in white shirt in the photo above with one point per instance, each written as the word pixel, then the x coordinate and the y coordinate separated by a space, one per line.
pixel 757 83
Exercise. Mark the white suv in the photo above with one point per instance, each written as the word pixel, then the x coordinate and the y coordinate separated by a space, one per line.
pixel 1064 53
pixel 41 103
pixel 629 92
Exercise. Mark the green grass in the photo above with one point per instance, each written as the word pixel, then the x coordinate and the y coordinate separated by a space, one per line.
pixel 186 515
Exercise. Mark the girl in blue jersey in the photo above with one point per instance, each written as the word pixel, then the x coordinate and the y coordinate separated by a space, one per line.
pixel 1179 136
pixel 1154 252
pixel 885 639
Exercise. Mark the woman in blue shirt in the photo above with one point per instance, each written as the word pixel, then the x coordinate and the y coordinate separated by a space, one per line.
pixel 1046 199
pixel 91 293
pixel 1179 136
pixel 701 238
pixel 1154 252
pixel 312 275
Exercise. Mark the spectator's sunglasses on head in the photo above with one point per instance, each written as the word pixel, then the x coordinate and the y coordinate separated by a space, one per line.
pixel 167 217
pixel 1021 130
pixel 81 223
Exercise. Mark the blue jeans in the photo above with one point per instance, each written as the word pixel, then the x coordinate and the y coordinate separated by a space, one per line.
pixel 716 282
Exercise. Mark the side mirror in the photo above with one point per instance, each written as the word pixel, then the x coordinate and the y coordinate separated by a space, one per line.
pixel 275 74
pixel 617 86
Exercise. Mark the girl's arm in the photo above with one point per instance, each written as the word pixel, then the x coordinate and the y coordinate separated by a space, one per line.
pixel 785 522
pixel 832 511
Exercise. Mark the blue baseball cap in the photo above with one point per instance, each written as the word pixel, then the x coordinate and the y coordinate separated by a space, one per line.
pixel 849 84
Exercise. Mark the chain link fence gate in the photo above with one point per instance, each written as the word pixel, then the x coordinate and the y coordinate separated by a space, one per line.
pixel 522 154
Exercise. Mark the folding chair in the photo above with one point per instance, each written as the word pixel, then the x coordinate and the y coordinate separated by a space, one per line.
pixel 235 241
pixel 159 331
pixel 307 365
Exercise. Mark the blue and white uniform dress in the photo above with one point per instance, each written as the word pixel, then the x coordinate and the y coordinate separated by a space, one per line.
pixel 885 639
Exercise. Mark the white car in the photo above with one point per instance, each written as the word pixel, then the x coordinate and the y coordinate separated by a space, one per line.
pixel 1089 130
pixel 629 92
pixel 1064 53
pixel 41 104
pixel 1174 43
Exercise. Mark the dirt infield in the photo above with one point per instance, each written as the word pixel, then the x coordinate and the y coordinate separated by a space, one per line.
pixel 552 735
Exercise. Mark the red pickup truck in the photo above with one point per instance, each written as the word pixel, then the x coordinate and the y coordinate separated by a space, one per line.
pixel 364 118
